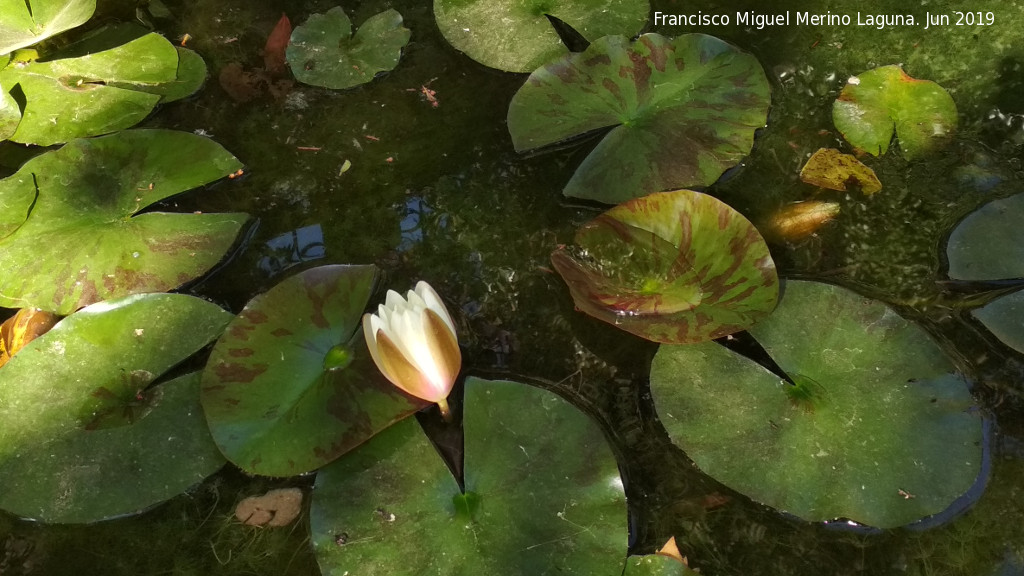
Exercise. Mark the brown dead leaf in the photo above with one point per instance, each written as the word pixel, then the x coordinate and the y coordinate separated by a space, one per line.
pixel 275 508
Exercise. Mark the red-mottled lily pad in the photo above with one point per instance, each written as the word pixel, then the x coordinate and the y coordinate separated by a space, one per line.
pixel 673 267
pixel 879 102
pixel 324 52
pixel 86 434
pixel 542 495
pixel 291 386
pixel 989 245
pixel 85 240
pixel 25 22
pixel 680 112
pixel 101 92
pixel 877 426
pixel 517 36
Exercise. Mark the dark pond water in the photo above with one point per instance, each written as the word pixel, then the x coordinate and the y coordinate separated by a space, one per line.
pixel 438 193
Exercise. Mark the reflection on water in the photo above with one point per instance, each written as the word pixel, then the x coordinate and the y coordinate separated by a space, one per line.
pixel 292 248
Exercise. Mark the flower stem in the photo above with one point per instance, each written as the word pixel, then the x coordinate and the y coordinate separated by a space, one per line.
pixel 445 412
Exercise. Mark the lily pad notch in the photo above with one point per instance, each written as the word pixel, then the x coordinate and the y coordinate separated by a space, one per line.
pixel 324 52
pixel 680 112
pixel 873 422
pixel 884 101
pixel 517 35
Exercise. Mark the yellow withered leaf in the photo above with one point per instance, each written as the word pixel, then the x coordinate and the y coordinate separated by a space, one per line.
pixel 22 328
pixel 830 168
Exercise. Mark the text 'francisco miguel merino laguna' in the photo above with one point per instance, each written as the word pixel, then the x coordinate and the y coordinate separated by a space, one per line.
pixel 760 21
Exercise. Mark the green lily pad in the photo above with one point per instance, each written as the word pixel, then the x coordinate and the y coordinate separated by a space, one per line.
pixel 25 22
pixel 10 114
pixel 85 437
pixel 674 267
pixel 878 427
pixel 542 496
pixel 190 76
pixel 680 111
pixel 1004 317
pixel 656 565
pixel 324 52
pixel 84 241
pixel 878 102
pixel 291 386
pixel 516 35
pixel 989 243
pixel 97 93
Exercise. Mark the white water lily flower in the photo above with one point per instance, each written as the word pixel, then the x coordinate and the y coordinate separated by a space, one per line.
pixel 412 341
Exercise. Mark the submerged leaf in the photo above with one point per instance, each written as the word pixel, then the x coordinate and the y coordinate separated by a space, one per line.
pixel 798 220
pixel 673 267
pixel 277 42
pixel 324 52
pixel 85 240
pixel 829 168
pixel 518 36
pixel 871 411
pixel 879 102
pixel 680 112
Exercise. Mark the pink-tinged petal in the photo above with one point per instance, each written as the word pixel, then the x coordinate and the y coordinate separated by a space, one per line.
pixel 444 348
pixel 405 375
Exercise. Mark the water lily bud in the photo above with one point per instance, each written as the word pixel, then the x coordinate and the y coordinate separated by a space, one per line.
pixel 412 340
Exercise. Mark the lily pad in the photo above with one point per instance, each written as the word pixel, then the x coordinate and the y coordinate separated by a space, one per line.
pixel 989 245
pixel 98 93
pixel 324 52
pixel 830 168
pixel 10 114
pixel 291 386
pixel 517 35
pixel 876 425
pixel 542 495
pixel 673 267
pixel 878 102
pixel 25 22
pixel 85 435
pixel 680 112
pixel 1005 318
pixel 656 565
pixel 84 239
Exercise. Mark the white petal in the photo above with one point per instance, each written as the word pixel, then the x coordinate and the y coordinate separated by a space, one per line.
pixel 433 302
pixel 393 299
pixel 370 325
pixel 415 302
